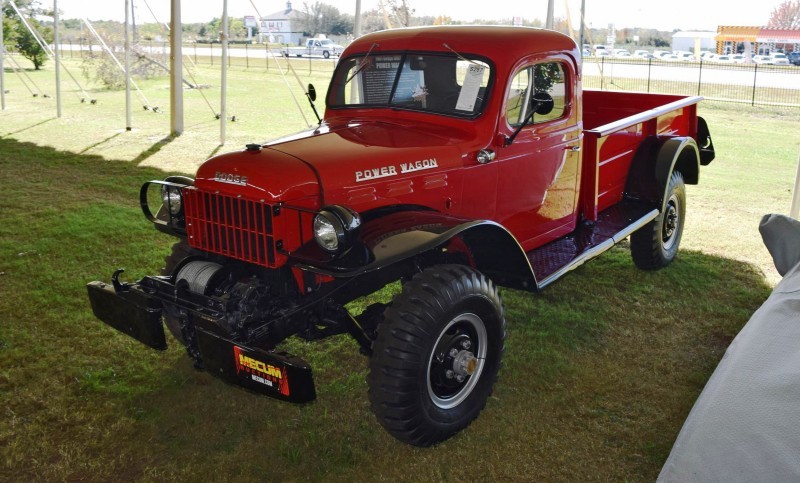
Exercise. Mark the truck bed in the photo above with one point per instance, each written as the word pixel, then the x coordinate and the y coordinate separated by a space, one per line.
pixel 615 124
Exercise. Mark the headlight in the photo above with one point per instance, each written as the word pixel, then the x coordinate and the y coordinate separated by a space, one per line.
pixel 171 196
pixel 336 227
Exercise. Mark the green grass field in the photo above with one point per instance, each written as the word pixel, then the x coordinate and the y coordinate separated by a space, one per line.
pixel 601 368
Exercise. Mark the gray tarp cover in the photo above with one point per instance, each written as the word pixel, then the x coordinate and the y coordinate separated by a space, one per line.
pixel 745 426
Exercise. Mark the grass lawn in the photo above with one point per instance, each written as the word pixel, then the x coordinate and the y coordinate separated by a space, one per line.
pixel 601 368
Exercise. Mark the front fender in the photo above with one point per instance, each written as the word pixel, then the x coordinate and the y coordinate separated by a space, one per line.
pixel 390 240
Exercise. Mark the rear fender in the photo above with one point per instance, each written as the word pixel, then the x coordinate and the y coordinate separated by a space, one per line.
pixel 391 241
pixel 654 163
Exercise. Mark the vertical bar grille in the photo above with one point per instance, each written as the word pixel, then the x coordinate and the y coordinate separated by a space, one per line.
pixel 230 226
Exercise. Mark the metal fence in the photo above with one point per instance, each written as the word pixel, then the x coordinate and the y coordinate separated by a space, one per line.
pixel 754 84
pixel 245 55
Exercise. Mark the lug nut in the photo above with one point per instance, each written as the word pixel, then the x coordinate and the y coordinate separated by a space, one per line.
pixel 449 374
pixel 453 352
pixel 466 344
pixel 460 378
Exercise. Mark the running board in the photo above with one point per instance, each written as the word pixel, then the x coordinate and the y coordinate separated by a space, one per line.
pixel 589 240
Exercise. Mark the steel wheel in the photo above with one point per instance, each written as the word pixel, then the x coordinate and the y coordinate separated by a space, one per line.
pixel 437 354
pixel 457 361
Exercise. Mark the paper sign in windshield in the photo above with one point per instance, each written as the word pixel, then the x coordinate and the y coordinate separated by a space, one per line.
pixel 469 91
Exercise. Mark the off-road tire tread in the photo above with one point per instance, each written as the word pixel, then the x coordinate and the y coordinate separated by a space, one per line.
pixel 402 348
pixel 646 246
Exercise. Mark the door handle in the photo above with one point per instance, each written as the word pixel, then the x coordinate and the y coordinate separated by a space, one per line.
pixel 574 149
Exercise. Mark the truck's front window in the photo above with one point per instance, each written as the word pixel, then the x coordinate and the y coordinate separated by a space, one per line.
pixel 440 83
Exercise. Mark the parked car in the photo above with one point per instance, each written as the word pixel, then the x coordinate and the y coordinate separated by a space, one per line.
pixel 723 59
pixel 794 58
pixel 684 56
pixel 780 58
pixel 763 59
pixel 738 58
pixel 659 53
pixel 670 58
pixel 621 53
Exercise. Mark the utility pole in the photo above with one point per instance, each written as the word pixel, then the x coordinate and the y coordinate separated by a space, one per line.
pixel 2 58
pixel 549 22
pixel 223 108
pixel 357 26
pixel 176 69
pixel 128 117
pixel 583 24
pixel 56 42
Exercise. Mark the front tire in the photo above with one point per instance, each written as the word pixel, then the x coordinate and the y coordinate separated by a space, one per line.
pixel 656 244
pixel 437 354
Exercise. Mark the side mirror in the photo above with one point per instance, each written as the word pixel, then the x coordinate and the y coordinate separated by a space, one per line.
pixel 542 103
pixel 312 94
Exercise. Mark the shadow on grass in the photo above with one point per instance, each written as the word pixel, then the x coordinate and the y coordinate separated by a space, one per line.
pixel 28 127
pixel 156 147
pixel 92 146
pixel 600 369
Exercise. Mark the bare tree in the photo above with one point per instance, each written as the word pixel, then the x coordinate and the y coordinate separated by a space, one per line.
pixel 322 18
pixel 401 12
pixel 785 16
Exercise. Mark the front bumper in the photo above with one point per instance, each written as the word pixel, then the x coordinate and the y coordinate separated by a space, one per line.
pixel 136 312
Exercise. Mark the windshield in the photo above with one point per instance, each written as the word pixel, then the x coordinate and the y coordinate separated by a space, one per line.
pixel 440 83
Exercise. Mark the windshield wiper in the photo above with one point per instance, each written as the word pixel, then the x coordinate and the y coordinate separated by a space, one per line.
pixel 362 64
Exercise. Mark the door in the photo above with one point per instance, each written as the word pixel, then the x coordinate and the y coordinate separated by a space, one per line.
pixel 539 171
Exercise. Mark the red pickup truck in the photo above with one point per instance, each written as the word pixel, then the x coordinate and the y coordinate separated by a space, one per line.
pixel 452 159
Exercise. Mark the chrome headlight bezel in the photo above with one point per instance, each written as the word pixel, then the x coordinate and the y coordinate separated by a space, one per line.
pixel 335 228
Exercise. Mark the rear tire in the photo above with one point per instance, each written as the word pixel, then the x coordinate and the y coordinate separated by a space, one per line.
pixel 437 354
pixel 326 54
pixel 656 244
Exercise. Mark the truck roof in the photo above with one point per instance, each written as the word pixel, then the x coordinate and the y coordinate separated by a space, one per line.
pixel 503 44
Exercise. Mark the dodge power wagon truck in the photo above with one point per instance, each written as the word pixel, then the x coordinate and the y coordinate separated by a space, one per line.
pixel 454 160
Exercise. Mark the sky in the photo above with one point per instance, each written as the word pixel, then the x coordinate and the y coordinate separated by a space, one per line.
pixel 664 15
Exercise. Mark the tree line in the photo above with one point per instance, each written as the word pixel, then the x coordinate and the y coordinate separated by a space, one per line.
pixel 313 18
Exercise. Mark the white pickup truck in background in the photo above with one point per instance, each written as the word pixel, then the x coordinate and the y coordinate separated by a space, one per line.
pixel 316 47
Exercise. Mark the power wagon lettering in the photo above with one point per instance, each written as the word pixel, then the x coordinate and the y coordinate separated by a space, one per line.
pixel 386 171
pixel 375 173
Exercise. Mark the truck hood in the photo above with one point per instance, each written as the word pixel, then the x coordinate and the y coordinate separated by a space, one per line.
pixel 343 159
pixel 365 156
pixel 258 174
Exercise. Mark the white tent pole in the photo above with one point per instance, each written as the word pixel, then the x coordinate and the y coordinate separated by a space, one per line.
pixel 224 82
pixel 56 42
pixel 794 212
pixel 357 26
pixel 128 120
pixel 2 58
pixel 176 69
